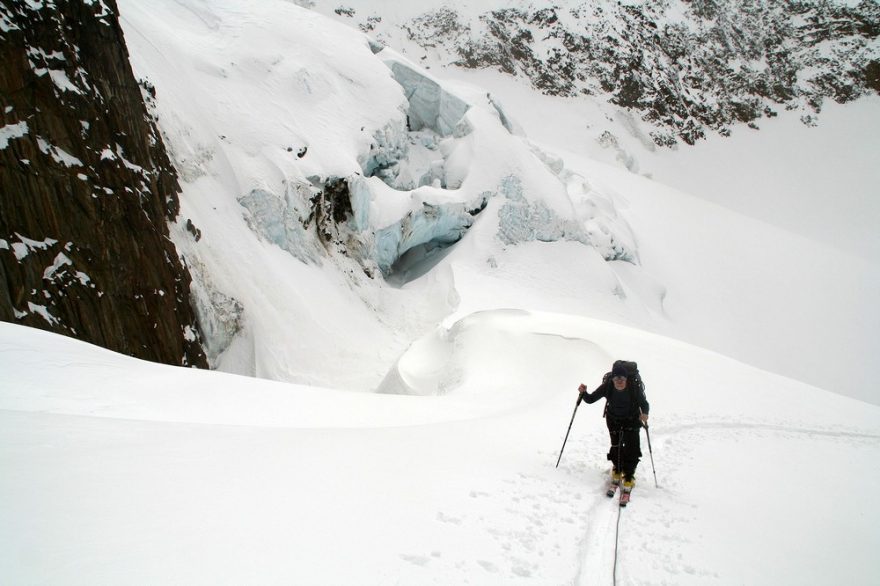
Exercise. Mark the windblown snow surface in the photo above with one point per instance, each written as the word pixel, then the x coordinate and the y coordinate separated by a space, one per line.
pixel 409 434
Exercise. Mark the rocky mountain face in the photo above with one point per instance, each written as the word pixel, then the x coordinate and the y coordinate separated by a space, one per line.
pixel 86 188
pixel 687 66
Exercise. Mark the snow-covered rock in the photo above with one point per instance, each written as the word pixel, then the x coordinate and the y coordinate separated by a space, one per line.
pixel 686 68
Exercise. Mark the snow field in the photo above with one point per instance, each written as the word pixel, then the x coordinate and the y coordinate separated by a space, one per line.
pixel 111 478
pixel 119 471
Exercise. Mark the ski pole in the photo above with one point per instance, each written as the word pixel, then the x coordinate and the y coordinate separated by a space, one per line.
pixel 650 451
pixel 569 430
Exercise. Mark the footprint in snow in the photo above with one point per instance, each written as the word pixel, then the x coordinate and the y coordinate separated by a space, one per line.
pixel 444 518
pixel 488 566
pixel 418 560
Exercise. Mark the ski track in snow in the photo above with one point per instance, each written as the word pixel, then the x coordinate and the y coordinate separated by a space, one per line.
pixel 719 425
pixel 596 549
pixel 502 512
pixel 653 526
pixel 540 522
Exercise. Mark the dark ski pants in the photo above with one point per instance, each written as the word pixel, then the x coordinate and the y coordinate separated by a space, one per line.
pixel 625 449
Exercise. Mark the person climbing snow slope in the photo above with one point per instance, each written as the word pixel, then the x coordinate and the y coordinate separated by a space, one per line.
pixel 626 410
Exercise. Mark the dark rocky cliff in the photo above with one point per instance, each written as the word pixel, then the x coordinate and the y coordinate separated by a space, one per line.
pixel 86 189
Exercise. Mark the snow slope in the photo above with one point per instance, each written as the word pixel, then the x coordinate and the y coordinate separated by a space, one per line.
pixel 242 87
pixel 812 185
pixel 409 433
pixel 120 470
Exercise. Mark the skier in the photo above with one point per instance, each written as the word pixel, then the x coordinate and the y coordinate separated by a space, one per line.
pixel 626 409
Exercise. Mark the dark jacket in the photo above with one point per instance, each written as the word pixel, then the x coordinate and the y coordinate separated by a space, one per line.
pixel 621 406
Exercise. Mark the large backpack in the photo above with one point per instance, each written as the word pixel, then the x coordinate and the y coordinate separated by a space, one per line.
pixel 632 376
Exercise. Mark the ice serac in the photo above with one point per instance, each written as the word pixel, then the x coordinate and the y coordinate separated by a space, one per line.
pixel 430 106
pixel 86 189
pixel 410 154
pixel 411 162
pixel 283 220
pixel 432 226
pixel 424 205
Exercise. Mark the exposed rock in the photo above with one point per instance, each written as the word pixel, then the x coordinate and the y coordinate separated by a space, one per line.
pixel 332 207
pixel 86 189
pixel 688 67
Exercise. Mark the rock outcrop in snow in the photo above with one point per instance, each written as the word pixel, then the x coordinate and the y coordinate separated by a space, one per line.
pixel 686 67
